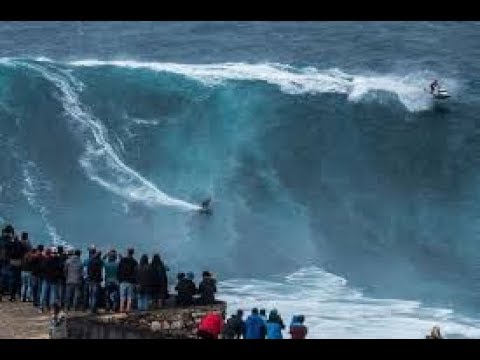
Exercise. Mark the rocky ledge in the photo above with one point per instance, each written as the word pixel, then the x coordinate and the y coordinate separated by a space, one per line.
pixel 167 323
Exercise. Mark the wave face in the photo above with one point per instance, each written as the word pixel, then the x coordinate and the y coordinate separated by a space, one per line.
pixel 328 155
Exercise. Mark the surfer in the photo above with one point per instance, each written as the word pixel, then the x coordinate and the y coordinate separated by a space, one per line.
pixel 437 91
pixel 205 207
pixel 433 86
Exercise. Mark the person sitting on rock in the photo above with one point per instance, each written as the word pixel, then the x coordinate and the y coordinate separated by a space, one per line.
pixel 207 289
pixel 235 327
pixel 211 326
pixel 186 289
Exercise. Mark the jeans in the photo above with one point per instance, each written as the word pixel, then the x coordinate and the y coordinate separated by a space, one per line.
pixel 36 284
pixel 61 293
pixel 72 290
pixel 26 291
pixel 6 277
pixel 15 281
pixel 126 291
pixel 93 288
pixel 112 296
pixel 86 294
pixel 3 284
pixel 143 301
pixel 49 294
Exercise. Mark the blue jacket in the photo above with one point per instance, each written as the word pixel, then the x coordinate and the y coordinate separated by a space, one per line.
pixel 255 327
pixel 274 330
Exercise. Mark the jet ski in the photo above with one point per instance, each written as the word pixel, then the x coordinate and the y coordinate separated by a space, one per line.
pixel 441 94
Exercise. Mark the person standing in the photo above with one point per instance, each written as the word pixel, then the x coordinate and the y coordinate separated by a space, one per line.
pixel 95 267
pixel 127 276
pixel 235 326
pixel 159 281
pixel 15 253
pixel 27 262
pixel 255 326
pixel 144 284
pixel 73 274
pixel 36 280
pixel 297 329
pixel 275 325
pixel 110 268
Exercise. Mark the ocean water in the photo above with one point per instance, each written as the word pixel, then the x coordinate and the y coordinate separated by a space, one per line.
pixel 340 190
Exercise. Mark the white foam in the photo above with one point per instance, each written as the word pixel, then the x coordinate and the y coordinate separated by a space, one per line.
pixel 334 310
pixel 408 88
pixel 5 61
pixel 43 59
pixel 31 187
pixel 145 122
pixel 100 161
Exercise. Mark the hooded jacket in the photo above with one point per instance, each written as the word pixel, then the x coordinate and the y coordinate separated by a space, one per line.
pixel 254 327
pixel 297 329
pixel 211 323
pixel 207 289
pixel 74 270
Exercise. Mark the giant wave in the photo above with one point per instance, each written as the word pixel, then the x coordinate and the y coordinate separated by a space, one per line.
pixel 305 166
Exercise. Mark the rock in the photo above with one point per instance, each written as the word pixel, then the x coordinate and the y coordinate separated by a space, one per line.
pixel 161 323
pixel 156 326
pixel 176 325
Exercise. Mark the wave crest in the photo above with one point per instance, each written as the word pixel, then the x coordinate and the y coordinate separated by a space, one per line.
pixel 409 88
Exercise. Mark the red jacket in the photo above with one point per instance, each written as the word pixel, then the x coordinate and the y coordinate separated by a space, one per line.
pixel 298 331
pixel 211 323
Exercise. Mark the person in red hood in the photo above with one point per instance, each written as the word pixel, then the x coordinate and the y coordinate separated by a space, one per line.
pixel 297 329
pixel 211 326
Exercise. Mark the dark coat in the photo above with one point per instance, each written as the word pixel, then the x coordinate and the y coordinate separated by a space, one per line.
pixel 159 281
pixel 185 289
pixel 207 290
pixel 127 270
